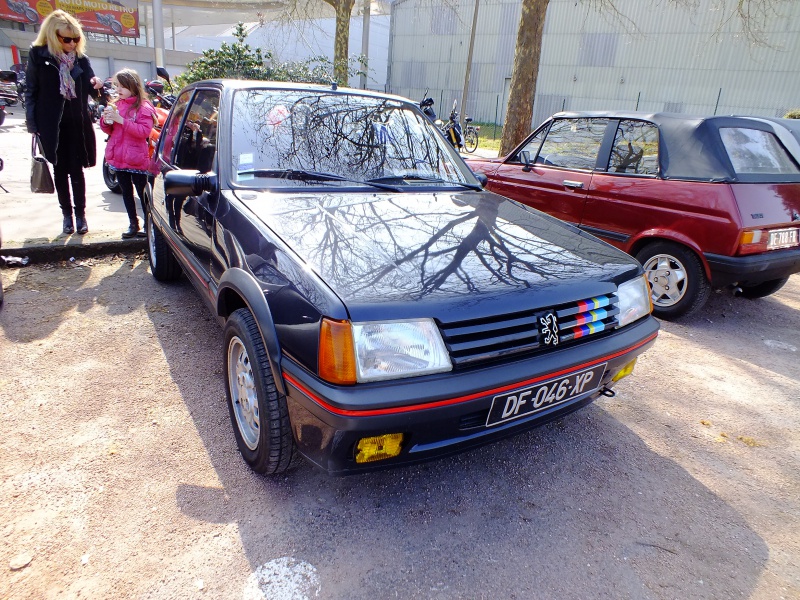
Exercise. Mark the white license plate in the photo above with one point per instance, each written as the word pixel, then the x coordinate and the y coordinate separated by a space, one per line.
pixel 524 402
pixel 782 238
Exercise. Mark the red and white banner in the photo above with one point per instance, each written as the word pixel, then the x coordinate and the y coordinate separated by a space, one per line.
pixel 119 18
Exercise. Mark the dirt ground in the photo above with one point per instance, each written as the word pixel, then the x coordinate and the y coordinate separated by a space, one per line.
pixel 121 479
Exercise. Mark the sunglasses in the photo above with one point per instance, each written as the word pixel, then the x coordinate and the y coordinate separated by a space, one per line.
pixel 69 40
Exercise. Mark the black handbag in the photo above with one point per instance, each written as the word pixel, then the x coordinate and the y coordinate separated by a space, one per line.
pixel 41 179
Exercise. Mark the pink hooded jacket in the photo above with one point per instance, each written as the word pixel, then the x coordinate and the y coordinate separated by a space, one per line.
pixel 127 146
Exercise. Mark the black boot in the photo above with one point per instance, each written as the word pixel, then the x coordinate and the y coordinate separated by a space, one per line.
pixel 80 224
pixel 133 228
pixel 69 228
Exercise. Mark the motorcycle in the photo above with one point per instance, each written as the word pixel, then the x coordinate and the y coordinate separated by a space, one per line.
pixel 426 105
pixel 452 129
pixel 8 92
pixel 21 80
pixel 109 21
pixel 162 103
pixel 23 8
pixel 95 110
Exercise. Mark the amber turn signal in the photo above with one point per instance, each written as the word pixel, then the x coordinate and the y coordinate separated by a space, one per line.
pixel 337 357
pixel 624 371
pixel 380 447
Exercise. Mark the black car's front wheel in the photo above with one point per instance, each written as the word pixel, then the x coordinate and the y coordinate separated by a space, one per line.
pixel 258 412
pixel 677 281
pixel 163 264
pixel 110 178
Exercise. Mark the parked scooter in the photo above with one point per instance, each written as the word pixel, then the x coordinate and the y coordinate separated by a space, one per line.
pixel 19 69
pixel 8 92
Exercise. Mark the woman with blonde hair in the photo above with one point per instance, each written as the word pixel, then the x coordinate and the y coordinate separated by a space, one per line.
pixel 59 80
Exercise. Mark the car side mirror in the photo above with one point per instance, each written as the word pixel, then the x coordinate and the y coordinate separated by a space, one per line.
pixel 525 158
pixel 185 182
pixel 482 179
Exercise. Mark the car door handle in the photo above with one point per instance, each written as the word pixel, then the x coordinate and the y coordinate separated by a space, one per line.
pixel 576 185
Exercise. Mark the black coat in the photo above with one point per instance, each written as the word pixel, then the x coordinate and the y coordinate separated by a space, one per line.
pixel 44 103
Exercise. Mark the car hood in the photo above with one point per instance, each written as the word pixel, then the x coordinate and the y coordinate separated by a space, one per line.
pixel 412 249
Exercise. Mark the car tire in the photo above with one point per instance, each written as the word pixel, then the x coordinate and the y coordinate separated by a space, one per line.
pixel 110 178
pixel 259 414
pixel 163 264
pixel 765 288
pixel 677 280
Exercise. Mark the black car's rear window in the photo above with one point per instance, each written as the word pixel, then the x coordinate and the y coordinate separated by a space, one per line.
pixel 301 139
pixel 756 152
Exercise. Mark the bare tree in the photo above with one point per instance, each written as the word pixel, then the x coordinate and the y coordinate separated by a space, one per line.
pixel 343 8
pixel 308 10
pixel 751 14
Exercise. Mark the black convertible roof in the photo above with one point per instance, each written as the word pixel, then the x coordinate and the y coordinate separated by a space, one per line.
pixel 690 146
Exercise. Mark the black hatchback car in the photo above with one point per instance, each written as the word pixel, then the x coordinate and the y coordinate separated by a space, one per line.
pixel 379 307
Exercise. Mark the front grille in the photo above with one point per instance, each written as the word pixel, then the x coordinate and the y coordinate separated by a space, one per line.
pixel 493 338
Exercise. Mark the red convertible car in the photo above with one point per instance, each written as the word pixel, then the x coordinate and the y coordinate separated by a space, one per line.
pixel 701 202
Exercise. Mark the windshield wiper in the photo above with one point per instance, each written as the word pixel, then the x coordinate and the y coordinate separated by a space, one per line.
pixel 303 175
pixel 400 179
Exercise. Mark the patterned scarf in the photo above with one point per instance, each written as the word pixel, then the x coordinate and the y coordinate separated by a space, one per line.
pixel 66 82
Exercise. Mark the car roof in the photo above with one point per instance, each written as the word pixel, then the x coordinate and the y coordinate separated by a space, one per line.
pixel 690 146
pixel 320 88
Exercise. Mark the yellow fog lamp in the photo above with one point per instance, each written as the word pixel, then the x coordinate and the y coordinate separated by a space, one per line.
pixel 379 447
pixel 624 371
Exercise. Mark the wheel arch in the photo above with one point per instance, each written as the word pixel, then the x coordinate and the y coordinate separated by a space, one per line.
pixel 645 238
pixel 237 289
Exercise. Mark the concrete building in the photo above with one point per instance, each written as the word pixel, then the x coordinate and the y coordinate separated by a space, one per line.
pixel 198 25
pixel 651 56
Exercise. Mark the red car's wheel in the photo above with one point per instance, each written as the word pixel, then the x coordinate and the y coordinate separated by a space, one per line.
pixel 677 280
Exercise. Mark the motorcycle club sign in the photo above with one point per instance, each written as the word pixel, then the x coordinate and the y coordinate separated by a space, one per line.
pixel 117 17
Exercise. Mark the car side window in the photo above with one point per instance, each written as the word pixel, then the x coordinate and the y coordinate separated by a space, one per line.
pixel 196 146
pixel 573 143
pixel 756 152
pixel 171 127
pixel 635 149
pixel 532 147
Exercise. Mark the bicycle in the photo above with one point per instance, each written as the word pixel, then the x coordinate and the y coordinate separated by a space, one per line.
pixel 470 135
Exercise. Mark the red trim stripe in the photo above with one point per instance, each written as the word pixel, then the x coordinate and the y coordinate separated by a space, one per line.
pixel 459 399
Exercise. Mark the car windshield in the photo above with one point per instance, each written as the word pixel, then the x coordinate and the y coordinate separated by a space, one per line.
pixel 301 139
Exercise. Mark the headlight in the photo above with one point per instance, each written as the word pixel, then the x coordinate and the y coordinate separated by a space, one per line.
pixel 634 300
pixel 393 349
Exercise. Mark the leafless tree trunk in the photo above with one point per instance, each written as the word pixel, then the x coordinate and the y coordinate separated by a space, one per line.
pixel 523 78
pixel 341 42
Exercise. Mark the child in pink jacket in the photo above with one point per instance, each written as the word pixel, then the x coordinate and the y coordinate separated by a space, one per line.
pixel 129 122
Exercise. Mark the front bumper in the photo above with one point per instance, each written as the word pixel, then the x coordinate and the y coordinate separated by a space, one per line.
pixel 445 413
pixel 754 269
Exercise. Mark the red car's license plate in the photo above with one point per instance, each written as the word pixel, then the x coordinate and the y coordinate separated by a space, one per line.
pixel 782 238
pixel 541 396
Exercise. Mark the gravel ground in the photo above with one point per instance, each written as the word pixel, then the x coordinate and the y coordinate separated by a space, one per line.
pixel 121 479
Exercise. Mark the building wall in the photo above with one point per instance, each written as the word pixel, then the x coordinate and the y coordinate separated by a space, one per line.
pixel 657 57
pixel 107 58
